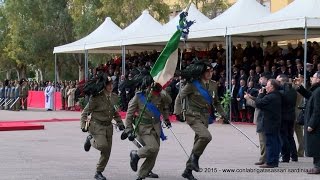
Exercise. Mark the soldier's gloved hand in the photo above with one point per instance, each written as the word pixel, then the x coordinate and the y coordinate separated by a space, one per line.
pixel 167 123
pixel 131 136
pixel 121 127
pixel 84 130
pixel 124 135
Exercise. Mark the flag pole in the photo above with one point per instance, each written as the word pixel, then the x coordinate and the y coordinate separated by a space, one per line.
pixel 183 25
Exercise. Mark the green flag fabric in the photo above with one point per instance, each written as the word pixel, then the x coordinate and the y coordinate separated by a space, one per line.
pixel 165 66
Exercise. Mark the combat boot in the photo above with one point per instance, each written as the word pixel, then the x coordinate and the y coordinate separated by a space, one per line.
pixel 99 176
pixel 152 175
pixel 87 144
pixel 188 174
pixel 195 162
pixel 134 159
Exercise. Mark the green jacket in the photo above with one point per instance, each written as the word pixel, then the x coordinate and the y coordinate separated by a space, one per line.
pixel 148 122
pixel 102 111
pixel 196 103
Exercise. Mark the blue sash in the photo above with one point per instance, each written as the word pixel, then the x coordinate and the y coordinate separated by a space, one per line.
pixel 154 110
pixel 205 94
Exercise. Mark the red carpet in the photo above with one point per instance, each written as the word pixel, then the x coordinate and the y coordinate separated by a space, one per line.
pixel 16 126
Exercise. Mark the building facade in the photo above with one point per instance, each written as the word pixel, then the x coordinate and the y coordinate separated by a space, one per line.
pixel 273 5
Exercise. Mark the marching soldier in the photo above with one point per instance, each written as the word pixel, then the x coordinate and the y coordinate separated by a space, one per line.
pixel 201 92
pixel 1 92
pixel 12 95
pixel 149 130
pixel 24 94
pixel 101 106
pixel 6 93
pixel 17 105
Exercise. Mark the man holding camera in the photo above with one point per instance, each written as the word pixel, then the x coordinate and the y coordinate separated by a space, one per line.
pixel 103 111
pixel 269 103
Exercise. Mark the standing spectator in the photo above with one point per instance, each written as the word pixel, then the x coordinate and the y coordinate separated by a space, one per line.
pixel 270 105
pixel 298 129
pixel 242 101
pixel 312 120
pixel 71 97
pixel 289 98
pixel 234 104
pixel 258 118
pixel 254 78
pixel 49 94
pixel 63 95
pixel 254 93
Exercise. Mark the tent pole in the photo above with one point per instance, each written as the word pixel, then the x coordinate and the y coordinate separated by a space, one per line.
pixel 123 60
pixel 230 61
pixel 86 65
pixel 227 63
pixel 230 72
pixel 305 53
pixel 55 81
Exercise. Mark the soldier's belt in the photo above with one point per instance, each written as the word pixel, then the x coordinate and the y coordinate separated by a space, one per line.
pixel 202 110
pixel 102 123
pixel 148 121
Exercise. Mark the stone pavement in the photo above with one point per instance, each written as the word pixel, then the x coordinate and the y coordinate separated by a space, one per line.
pixel 56 153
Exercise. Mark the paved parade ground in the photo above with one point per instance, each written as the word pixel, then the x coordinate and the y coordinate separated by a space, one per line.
pixel 56 153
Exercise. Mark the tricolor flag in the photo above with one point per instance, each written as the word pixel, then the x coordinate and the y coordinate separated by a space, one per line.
pixel 166 64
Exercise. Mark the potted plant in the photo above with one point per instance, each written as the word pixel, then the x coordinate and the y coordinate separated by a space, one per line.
pixel 225 102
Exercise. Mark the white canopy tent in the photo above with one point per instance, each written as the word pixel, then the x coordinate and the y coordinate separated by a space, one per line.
pixel 298 20
pixel 162 35
pixel 141 27
pixel 106 30
pixel 287 23
pixel 242 12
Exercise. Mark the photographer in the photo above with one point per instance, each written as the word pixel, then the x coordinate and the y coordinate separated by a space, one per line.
pixel 289 98
pixel 270 105
pixel 312 120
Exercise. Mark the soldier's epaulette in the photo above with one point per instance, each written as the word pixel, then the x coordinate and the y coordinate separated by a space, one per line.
pixel 213 81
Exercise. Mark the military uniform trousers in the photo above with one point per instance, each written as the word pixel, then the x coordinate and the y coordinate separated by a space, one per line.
pixel 150 138
pixel 24 103
pixel 198 121
pixel 262 142
pixel 102 141
pixel 17 106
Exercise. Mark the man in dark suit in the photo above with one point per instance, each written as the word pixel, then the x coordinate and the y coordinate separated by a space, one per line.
pixel 269 102
pixel 234 103
pixel 312 120
pixel 254 93
pixel 289 98
pixel 242 101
